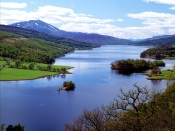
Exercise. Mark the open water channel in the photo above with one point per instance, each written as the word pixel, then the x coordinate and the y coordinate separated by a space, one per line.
pixel 39 107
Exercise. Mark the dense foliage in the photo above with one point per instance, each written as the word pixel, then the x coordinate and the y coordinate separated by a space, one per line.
pixel 69 85
pixel 58 40
pixel 140 109
pixel 30 49
pixel 130 65
pixel 159 52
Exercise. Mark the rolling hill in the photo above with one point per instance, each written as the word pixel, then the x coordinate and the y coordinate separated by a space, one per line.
pixel 32 46
pixel 165 40
pixel 39 35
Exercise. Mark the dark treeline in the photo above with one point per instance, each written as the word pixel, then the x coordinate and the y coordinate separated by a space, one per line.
pixel 139 65
pixel 140 109
pixel 159 52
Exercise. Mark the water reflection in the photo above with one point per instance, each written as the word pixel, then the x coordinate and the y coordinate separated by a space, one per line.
pixel 38 106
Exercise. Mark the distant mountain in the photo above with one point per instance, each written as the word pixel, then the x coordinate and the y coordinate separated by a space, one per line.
pixel 43 27
pixel 39 26
pixel 159 37
pixel 158 41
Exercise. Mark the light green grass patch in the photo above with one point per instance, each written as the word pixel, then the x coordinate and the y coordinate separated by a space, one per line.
pixel 21 74
pixel 2 63
pixel 166 74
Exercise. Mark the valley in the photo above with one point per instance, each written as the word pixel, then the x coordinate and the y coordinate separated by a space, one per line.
pixel 35 65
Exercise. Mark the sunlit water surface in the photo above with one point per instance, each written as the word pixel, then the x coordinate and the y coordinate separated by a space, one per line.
pixel 39 107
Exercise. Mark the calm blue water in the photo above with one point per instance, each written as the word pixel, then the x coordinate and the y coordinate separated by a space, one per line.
pixel 39 107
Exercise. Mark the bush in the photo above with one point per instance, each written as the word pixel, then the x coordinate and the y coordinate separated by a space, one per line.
pixel 69 85
pixel 31 66
pixel 130 65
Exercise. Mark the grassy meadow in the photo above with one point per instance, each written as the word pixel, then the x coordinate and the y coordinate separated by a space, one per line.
pixel 11 74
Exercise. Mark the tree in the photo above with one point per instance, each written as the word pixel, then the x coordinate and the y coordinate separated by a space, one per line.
pixel 89 120
pixel 63 70
pixel 130 111
pixel 15 128
pixel 127 110
pixel 17 64
pixel 31 66
pixel 69 85
pixel 2 127
pixel 155 71
pixel 49 67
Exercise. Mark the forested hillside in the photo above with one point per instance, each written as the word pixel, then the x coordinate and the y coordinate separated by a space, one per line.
pixel 164 41
pixel 59 40
pixel 159 52
pixel 30 49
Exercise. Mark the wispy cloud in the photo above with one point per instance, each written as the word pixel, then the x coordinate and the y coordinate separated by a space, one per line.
pixel 167 2
pixel 155 19
pixel 119 20
pixel 13 5
pixel 67 19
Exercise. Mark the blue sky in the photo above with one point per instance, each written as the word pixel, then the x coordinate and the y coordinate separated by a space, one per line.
pixel 130 19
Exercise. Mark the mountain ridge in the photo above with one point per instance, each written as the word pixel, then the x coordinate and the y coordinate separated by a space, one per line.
pixel 92 38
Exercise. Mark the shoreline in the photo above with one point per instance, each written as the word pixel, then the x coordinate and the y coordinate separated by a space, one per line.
pixel 34 77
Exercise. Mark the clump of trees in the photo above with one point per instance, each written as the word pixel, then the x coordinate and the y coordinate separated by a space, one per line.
pixel 138 65
pixel 12 128
pixel 159 52
pixel 136 110
pixel 68 85
pixel 35 66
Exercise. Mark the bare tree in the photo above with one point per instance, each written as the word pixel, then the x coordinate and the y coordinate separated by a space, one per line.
pixel 88 121
pixel 131 110
pixel 127 109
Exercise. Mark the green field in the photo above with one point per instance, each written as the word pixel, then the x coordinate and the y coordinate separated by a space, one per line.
pixel 21 74
pixel 166 74
pixel 11 74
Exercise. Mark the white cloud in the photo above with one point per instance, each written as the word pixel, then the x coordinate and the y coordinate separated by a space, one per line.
pixel 167 2
pixel 31 2
pixel 13 5
pixel 172 8
pixel 111 30
pixel 171 31
pixel 155 19
pixel 119 20
pixel 67 19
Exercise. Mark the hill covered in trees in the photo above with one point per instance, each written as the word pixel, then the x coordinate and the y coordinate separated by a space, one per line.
pixel 159 52
pixel 30 49
pixel 157 41
pixel 26 33
pixel 33 46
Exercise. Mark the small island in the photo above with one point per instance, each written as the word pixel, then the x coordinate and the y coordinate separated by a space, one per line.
pixel 130 66
pixel 68 86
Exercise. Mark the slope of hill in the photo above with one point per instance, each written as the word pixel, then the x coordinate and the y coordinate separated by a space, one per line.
pixel 158 41
pixel 30 49
pixel 78 36
pixel 35 34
